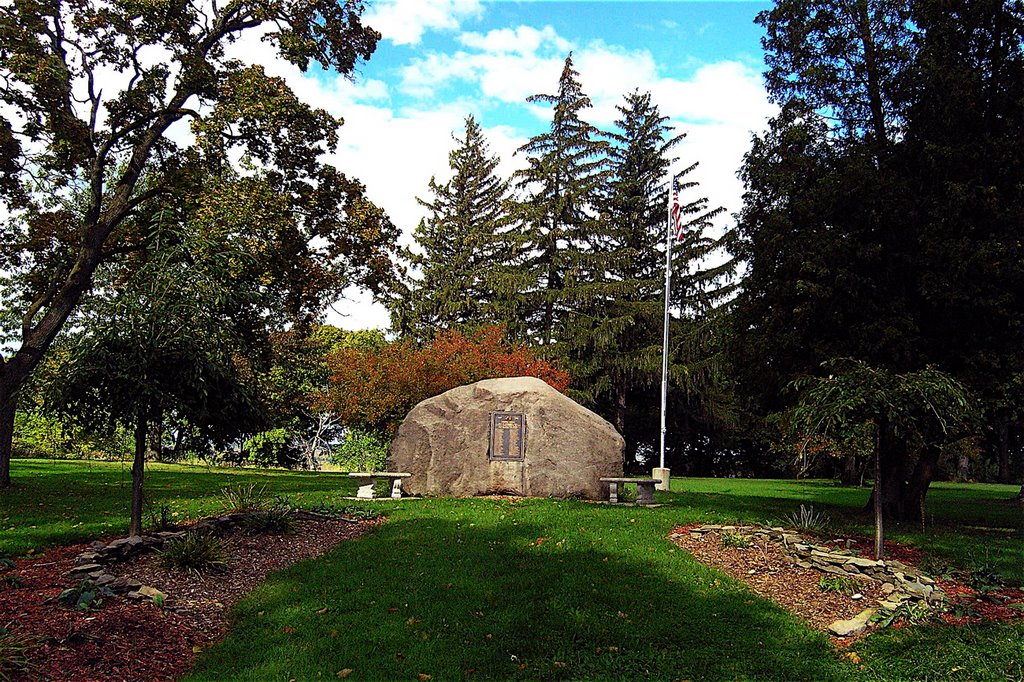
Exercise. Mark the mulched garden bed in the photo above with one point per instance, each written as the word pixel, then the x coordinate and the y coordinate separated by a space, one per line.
pixel 127 640
pixel 765 568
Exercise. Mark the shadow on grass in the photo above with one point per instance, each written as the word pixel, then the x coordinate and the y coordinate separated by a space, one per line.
pixel 454 601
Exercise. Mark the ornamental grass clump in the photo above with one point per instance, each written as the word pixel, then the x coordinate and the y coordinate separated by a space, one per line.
pixel 277 520
pixel 14 648
pixel 195 553
pixel 244 497
pixel 808 519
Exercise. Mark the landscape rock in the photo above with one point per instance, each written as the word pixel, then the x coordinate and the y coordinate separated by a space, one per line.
pixel 444 444
pixel 85 569
pixel 151 593
pixel 853 626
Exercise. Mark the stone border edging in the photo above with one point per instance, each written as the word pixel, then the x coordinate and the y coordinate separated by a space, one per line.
pixel 900 582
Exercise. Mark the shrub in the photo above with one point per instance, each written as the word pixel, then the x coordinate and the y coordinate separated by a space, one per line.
pixel 196 553
pixel 244 497
pixel 14 650
pixel 274 448
pixel 376 388
pixel 361 451
pixel 277 520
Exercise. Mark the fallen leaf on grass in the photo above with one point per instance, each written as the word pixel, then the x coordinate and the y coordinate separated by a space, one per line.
pixel 423 677
pixel 345 672
pixel 852 657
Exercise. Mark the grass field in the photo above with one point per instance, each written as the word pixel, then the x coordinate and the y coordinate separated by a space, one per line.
pixel 540 589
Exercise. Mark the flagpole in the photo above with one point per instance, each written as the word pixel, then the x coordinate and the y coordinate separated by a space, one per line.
pixel 661 472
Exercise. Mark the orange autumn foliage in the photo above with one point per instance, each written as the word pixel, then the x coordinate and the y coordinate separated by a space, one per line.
pixel 376 388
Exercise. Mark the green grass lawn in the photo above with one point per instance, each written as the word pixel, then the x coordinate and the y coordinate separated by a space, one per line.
pixel 541 589
pixel 60 502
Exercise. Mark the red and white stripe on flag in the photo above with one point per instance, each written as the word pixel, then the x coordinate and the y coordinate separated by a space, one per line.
pixel 677 213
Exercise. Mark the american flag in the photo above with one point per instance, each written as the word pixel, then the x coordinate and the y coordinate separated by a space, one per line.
pixel 676 211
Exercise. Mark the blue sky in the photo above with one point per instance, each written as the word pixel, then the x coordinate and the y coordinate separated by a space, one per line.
pixel 441 60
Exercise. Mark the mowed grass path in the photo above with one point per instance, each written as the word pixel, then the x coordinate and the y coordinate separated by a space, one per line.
pixel 543 589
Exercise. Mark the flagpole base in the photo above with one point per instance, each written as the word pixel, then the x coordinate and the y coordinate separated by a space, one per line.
pixel 666 478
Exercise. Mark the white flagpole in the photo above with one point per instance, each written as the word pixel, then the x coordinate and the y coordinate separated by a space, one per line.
pixel 661 472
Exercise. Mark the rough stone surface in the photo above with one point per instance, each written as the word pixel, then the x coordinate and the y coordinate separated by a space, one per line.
pixel 853 626
pixel 444 442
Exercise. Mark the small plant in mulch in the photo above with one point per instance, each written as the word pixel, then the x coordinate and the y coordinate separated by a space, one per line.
pixel 908 612
pixel 839 584
pixel 161 521
pixel 807 519
pixel 85 596
pixel 244 497
pixel 196 553
pixel 14 650
pixel 734 539
pixel 277 520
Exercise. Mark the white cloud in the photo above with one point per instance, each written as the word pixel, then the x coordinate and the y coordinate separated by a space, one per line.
pixel 404 22
pixel 522 40
pixel 395 151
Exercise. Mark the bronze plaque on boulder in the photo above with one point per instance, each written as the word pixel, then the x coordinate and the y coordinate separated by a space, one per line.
pixel 508 435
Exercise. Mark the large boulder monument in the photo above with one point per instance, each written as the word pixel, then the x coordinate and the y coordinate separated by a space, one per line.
pixel 515 436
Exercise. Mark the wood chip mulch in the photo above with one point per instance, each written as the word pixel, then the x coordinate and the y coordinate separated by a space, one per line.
pixel 766 569
pixel 125 640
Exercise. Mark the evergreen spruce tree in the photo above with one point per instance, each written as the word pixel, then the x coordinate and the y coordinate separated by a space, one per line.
pixel 615 347
pixel 463 244
pixel 557 218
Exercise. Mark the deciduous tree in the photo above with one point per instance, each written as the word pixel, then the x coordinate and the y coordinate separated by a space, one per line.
pixel 92 92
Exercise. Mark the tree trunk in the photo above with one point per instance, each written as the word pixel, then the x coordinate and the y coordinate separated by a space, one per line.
pixel 850 473
pixel 963 468
pixel 156 440
pixel 138 471
pixel 8 408
pixel 879 513
pixel 920 479
pixel 628 458
pixel 1003 450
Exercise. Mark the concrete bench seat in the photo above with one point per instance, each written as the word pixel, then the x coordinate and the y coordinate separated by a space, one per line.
pixel 367 482
pixel 644 488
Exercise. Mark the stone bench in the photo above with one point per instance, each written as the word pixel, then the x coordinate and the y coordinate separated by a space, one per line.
pixel 367 482
pixel 644 488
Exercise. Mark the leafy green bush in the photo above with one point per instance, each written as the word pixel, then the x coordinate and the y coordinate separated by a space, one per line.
pixel 277 520
pixel 361 451
pixel 196 553
pixel 41 435
pixel 840 584
pixel 14 650
pixel 274 448
pixel 244 497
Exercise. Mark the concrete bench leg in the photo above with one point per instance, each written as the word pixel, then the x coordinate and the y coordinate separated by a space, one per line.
pixel 367 487
pixel 613 492
pixel 396 488
pixel 645 493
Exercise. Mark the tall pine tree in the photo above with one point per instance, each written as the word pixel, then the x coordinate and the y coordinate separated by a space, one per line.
pixel 557 218
pixel 463 246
